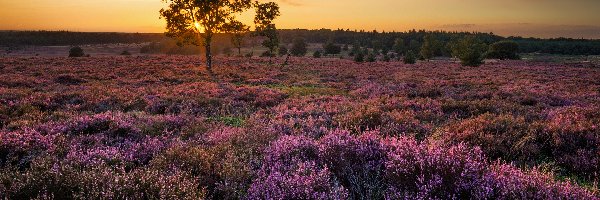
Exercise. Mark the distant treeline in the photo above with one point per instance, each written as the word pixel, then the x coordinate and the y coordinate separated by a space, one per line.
pixel 373 39
pixel 414 39
pixel 67 38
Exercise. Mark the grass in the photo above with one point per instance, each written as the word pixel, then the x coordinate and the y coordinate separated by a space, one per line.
pixel 232 121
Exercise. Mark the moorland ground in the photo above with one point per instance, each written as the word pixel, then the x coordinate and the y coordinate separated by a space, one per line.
pixel 162 126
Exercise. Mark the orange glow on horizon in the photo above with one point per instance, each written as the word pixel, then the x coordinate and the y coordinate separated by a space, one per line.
pixel 508 17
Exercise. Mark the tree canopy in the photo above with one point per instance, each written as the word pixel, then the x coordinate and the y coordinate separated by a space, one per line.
pixel 196 21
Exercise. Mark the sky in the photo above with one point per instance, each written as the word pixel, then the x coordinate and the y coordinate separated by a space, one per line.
pixel 539 18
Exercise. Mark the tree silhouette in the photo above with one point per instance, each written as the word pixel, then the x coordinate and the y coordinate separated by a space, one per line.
pixel 196 21
pixel 265 14
pixel 298 47
pixel 238 31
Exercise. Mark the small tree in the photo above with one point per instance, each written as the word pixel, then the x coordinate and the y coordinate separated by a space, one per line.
pixel 283 50
pixel 504 50
pixel 410 58
pixel 399 46
pixel 428 47
pixel 359 56
pixel 76 52
pixel 195 22
pixel 238 31
pixel 298 47
pixel 317 54
pixel 371 57
pixel 331 48
pixel 470 51
pixel 265 14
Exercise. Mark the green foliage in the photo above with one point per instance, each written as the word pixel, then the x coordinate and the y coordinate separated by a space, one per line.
pixel 298 47
pixel 504 50
pixel 238 31
pixel 76 52
pixel 428 48
pixel 470 51
pixel 265 14
pixel 331 48
pixel 371 57
pixel 229 121
pixel 359 56
pixel 196 22
pixel 386 58
pixel 399 46
pixel 317 54
pixel 410 58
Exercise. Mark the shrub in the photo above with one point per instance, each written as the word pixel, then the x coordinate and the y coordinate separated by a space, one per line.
pixel 504 50
pixel 76 52
pixel 499 136
pixel 371 57
pixel 469 50
pixel 359 57
pixel 430 171
pixel 298 47
pixel 357 162
pixel 410 58
pixel 317 54
pixel 125 53
pixel 331 48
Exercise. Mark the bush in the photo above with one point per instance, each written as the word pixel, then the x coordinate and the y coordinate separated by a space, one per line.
pixel 76 52
pixel 331 48
pixel 317 54
pixel 298 47
pixel 125 53
pixel 359 57
pixel 357 162
pixel 470 51
pixel 410 58
pixel 371 57
pixel 504 50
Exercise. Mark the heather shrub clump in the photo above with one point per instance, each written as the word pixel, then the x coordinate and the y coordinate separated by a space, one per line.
pixel 160 127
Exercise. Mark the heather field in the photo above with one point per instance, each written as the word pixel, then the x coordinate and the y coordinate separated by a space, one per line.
pixel 162 127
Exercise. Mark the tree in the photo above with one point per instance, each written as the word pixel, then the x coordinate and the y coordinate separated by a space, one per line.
pixel 414 45
pixel 377 45
pixel 283 50
pixel 355 48
pixel 469 50
pixel 76 52
pixel 504 50
pixel 371 57
pixel 298 47
pixel 399 46
pixel 331 48
pixel 410 58
pixel 238 31
pixel 317 54
pixel 428 47
pixel 359 56
pixel 265 14
pixel 196 22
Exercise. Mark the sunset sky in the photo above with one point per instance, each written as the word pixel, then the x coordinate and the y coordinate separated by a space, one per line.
pixel 542 18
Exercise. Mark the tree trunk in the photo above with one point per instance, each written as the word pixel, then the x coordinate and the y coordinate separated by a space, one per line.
pixel 208 53
pixel 239 51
